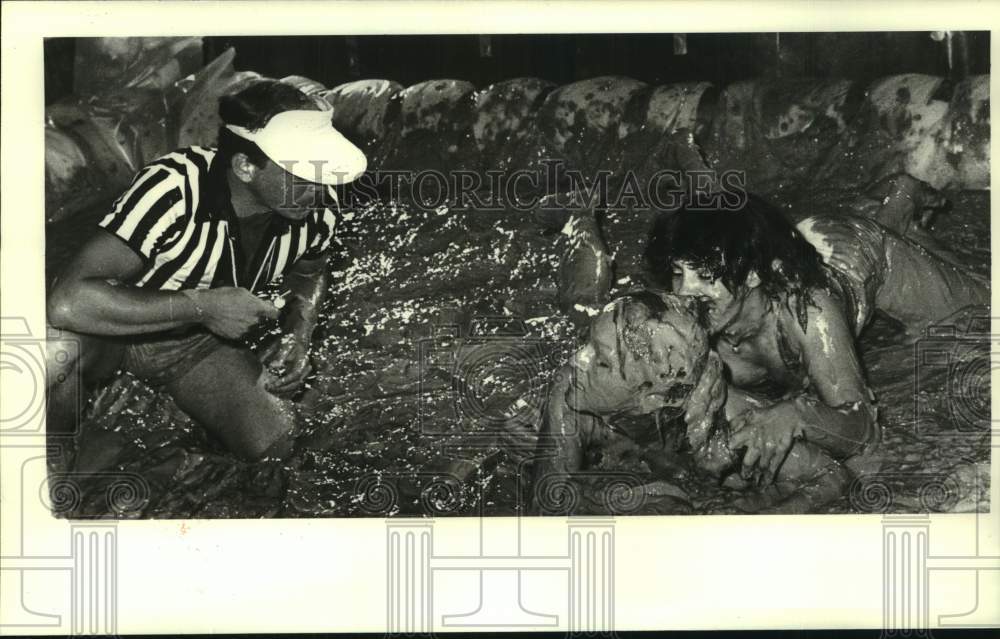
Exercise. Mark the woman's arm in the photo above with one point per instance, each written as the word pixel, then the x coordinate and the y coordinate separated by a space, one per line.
pixel 838 414
pixel 841 415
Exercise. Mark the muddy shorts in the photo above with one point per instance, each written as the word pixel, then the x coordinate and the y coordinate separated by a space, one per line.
pixel 166 357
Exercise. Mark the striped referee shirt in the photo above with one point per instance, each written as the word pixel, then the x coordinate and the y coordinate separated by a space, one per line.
pixel 178 216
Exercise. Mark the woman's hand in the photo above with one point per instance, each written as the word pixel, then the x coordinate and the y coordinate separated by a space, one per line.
pixel 286 365
pixel 706 400
pixel 768 434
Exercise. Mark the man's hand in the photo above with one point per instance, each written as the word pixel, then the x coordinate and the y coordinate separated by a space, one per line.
pixel 706 400
pixel 286 365
pixel 230 312
pixel 768 434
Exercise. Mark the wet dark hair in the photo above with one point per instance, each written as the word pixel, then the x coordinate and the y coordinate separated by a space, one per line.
pixel 252 108
pixel 729 244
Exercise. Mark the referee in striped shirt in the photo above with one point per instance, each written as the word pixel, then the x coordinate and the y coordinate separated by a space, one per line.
pixel 171 283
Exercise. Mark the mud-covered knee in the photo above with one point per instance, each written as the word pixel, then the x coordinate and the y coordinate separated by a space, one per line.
pixel 280 450
pixel 284 445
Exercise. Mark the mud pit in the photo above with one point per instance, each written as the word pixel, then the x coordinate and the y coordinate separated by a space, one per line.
pixel 408 285
pixel 443 326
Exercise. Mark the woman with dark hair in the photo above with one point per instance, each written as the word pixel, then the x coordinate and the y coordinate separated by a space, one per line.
pixel 644 354
pixel 785 304
pixel 174 279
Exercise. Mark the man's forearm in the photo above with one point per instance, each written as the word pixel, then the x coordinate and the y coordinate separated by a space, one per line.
pixel 307 293
pixel 97 307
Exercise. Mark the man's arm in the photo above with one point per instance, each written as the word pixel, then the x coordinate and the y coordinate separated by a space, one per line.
pixel 287 359
pixel 84 299
pixel 307 283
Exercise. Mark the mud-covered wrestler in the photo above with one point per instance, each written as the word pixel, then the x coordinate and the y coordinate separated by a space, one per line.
pixel 645 355
pixel 785 306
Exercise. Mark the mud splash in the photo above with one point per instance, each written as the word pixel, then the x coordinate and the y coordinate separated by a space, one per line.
pixel 442 332
pixel 444 326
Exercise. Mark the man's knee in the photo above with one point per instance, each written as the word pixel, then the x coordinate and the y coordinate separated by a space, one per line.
pixel 223 393
pixel 281 449
pixel 254 424
pixel 263 438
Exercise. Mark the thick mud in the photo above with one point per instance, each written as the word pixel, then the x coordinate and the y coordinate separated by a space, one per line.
pixel 438 340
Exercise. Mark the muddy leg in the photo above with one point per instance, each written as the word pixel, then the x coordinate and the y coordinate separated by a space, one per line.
pixel 908 207
pixel 893 274
pixel 905 202
pixel 585 269
pixel 223 393
pixel 920 288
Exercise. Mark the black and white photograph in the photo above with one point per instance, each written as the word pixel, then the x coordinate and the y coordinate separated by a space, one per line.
pixel 518 274
pixel 567 316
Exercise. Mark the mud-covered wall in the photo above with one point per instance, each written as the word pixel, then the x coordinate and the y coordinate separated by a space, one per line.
pixel 789 135
pixel 785 134
pixel 653 58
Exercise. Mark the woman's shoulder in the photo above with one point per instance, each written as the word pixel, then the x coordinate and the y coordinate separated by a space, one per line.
pixel 808 311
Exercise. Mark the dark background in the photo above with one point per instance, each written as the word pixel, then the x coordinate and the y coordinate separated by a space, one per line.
pixel 563 58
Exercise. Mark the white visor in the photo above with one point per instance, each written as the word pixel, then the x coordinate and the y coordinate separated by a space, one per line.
pixel 305 144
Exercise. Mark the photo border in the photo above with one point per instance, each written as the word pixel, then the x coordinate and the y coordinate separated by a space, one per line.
pixel 332 574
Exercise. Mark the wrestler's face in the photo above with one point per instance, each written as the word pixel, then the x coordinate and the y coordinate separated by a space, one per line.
pixel 638 371
pixel 283 193
pixel 694 282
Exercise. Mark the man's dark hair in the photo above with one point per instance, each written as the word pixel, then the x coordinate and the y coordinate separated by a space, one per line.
pixel 252 108
pixel 731 243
